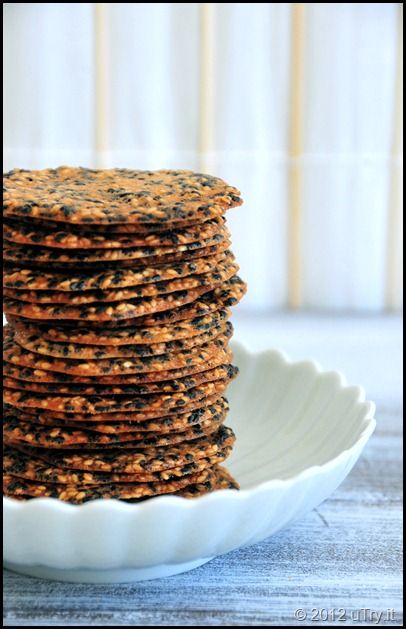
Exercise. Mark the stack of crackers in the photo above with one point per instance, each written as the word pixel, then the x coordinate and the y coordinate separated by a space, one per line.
pixel 118 286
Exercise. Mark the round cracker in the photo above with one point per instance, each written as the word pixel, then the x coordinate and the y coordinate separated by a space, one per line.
pixel 127 416
pixel 114 228
pixel 113 404
pixel 218 479
pixel 84 196
pixel 16 431
pixel 17 355
pixel 155 261
pixel 24 253
pixel 38 345
pixel 17 464
pixel 126 336
pixel 214 278
pixel 166 386
pixel 140 379
pixel 56 237
pixel 20 278
pixel 138 459
pixel 182 422
pixel 100 311
pixel 225 296
pixel 77 494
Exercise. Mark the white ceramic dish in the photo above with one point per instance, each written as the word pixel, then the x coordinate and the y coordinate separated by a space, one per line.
pixel 299 433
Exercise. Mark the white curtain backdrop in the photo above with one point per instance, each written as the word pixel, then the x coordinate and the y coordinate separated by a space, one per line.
pixel 211 87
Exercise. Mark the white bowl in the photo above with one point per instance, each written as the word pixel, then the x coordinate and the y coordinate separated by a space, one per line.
pixel 299 433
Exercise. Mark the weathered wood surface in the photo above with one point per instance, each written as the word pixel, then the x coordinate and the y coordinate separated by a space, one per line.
pixel 344 556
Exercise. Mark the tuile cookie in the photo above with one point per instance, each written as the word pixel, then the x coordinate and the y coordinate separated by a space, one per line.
pixel 120 229
pixel 151 459
pixel 127 336
pixel 17 464
pixel 204 416
pixel 220 274
pixel 165 386
pixel 113 404
pixel 98 443
pixel 72 268
pixel 58 238
pixel 38 345
pixel 140 379
pixel 100 311
pixel 17 355
pixel 81 195
pixel 21 254
pixel 78 494
pixel 218 479
pixel 31 279
pixel 16 431
pixel 16 252
pixel 179 420
pixel 218 299
pixel 127 416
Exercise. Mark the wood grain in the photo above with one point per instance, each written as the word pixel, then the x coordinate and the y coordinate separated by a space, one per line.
pixel 394 266
pixel 207 84
pixel 295 152
pixel 346 554
pixel 101 87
